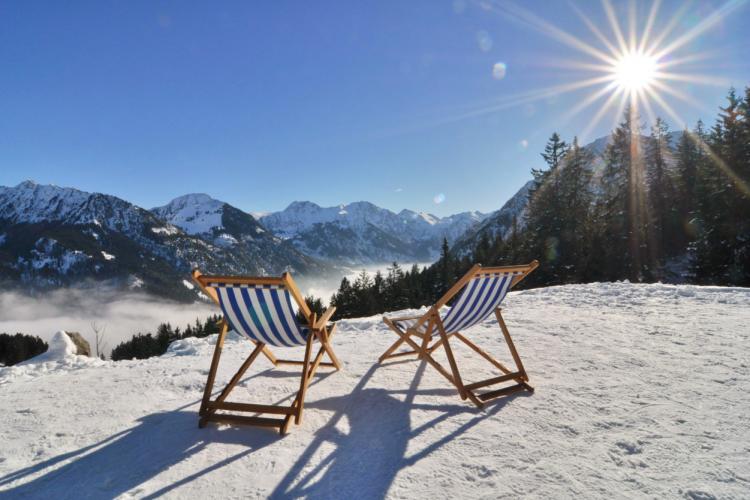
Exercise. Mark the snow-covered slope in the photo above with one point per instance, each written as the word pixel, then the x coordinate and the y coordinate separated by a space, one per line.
pixel 193 213
pixel 498 223
pixel 642 391
pixel 361 232
pixel 53 236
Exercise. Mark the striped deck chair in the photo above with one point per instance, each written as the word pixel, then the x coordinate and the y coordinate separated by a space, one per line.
pixel 261 309
pixel 482 290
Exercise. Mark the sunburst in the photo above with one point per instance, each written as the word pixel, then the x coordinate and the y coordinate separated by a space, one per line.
pixel 630 64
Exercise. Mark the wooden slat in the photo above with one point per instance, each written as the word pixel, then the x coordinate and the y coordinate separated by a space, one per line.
pixel 212 370
pixel 493 381
pixel 210 292
pixel 511 345
pixel 451 360
pixel 405 318
pixel 250 407
pixel 525 268
pixel 300 363
pixel 456 287
pixel 501 392
pixel 241 280
pixel 304 380
pixel 482 353
pixel 239 419
pixel 292 287
pixel 324 318
pixel 399 354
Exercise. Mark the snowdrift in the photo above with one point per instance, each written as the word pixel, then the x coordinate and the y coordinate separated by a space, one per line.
pixel 641 390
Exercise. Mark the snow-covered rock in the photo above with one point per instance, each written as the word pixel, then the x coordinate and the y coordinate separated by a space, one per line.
pixel 642 391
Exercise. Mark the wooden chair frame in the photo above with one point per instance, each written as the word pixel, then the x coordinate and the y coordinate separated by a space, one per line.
pixel 319 331
pixel 430 324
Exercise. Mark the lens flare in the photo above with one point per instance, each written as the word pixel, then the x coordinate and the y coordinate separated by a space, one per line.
pixel 635 71
pixel 498 70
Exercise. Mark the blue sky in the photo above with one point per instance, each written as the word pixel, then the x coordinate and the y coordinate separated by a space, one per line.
pixel 263 103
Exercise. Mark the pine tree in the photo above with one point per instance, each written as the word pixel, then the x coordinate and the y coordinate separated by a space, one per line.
pixel 661 211
pixel 575 203
pixel 447 268
pixel 623 210
pixel 688 159
pixel 544 214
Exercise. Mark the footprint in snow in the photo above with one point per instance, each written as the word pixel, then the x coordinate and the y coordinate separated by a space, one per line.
pixel 628 448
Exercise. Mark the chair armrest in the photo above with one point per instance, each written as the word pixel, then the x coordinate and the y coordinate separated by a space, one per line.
pixel 323 320
pixel 405 318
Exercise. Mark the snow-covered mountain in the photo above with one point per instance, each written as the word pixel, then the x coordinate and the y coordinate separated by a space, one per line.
pixel 52 236
pixel 361 232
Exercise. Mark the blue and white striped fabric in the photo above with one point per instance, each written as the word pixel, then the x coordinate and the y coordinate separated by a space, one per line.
pixel 478 300
pixel 262 312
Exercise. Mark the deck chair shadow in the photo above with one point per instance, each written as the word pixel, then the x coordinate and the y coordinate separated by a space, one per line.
pixel 261 309
pixel 481 290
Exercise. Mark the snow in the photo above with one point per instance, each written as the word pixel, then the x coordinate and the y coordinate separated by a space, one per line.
pixel 135 282
pixel 225 240
pixel 47 254
pixel 168 230
pixel 188 285
pixel 107 256
pixel 195 213
pixel 641 391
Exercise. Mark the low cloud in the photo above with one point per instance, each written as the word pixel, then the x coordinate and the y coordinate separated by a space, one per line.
pixel 122 315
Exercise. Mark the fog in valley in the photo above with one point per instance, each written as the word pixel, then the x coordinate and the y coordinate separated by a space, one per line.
pixel 120 315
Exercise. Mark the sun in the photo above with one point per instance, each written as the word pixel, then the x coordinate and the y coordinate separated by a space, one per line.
pixel 635 71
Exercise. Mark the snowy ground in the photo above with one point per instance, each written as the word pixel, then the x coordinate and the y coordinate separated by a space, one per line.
pixel 642 391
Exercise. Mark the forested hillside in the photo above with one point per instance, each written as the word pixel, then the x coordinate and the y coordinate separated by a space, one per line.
pixel 660 207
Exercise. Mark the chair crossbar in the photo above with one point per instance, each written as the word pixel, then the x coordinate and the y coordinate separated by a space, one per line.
pixel 505 391
pixel 250 407
pixel 254 421
pixel 493 381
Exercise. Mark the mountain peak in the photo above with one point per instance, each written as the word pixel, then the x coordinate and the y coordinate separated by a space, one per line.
pixel 193 198
pixel 302 205
pixel 27 184
pixel 194 213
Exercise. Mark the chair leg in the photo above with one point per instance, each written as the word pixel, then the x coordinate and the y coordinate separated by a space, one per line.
pixel 326 343
pixel 451 359
pixel 300 400
pixel 511 345
pixel 212 371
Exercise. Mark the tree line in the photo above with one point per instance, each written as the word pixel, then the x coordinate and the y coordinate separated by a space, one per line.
pixel 19 347
pixel 146 345
pixel 647 209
